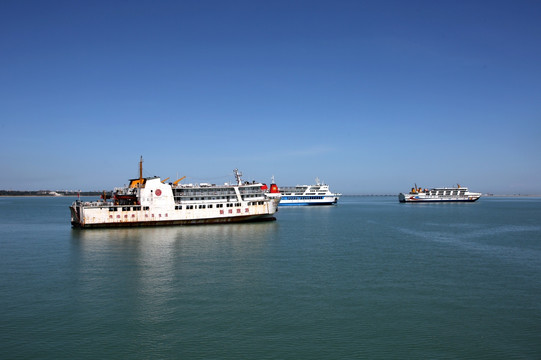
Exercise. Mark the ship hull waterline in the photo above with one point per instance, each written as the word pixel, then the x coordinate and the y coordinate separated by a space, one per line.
pixel 226 220
pixel 437 201
pixel 327 203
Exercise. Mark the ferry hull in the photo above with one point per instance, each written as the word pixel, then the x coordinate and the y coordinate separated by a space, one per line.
pixel 305 203
pixel 403 198
pixel 87 217
pixel 236 219
pixel 436 200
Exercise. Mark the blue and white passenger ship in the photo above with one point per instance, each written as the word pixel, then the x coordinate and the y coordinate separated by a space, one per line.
pixel 318 194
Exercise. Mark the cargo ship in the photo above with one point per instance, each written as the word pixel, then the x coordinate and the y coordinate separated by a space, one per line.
pixel 151 201
pixel 305 195
pixel 444 194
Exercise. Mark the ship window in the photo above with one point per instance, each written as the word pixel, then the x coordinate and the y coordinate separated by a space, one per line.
pixel 112 209
pixel 145 208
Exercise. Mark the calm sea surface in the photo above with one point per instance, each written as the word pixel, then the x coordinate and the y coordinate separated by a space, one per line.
pixel 367 279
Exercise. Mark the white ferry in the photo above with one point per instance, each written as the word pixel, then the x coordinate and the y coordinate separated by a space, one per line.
pixel 318 194
pixel 151 201
pixel 445 194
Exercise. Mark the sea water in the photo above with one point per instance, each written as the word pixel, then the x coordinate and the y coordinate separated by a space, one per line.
pixel 369 278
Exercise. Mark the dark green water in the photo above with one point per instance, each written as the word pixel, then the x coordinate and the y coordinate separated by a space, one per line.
pixel 367 279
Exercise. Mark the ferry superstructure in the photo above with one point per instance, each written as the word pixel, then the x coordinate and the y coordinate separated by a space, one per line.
pixel 318 194
pixel 151 201
pixel 443 194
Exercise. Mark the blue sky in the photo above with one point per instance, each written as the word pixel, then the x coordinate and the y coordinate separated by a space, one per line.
pixel 370 97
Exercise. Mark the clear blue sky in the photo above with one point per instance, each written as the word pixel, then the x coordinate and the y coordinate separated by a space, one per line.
pixel 370 96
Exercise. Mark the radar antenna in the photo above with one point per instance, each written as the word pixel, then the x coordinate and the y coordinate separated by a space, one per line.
pixel 238 175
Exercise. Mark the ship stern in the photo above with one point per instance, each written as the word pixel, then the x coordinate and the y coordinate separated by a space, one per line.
pixel 274 200
pixel 75 212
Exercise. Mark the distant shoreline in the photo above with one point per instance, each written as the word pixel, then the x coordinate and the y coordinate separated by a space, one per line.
pixel 47 193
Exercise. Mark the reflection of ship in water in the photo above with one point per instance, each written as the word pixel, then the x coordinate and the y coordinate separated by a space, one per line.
pixel 153 265
pixel 173 238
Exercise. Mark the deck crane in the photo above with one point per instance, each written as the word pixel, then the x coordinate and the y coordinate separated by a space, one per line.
pixel 179 180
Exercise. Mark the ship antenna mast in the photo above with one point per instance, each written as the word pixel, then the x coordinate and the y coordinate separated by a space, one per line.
pixel 237 176
pixel 141 170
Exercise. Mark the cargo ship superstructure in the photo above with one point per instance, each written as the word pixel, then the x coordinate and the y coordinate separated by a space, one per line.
pixel 443 194
pixel 304 195
pixel 151 202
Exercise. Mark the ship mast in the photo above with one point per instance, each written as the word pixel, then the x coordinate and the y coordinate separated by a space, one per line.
pixel 141 170
pixel 138 183
pixel 238 174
